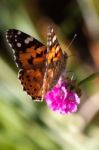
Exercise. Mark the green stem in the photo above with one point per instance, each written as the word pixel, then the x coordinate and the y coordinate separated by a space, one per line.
pixel 90 78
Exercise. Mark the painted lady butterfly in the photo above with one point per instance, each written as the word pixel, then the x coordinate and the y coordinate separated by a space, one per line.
pixel 39 66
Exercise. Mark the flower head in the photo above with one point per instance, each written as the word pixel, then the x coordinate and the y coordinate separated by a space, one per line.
pixel 61 98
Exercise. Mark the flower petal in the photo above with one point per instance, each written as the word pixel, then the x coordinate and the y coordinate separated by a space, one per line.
pixel 62 100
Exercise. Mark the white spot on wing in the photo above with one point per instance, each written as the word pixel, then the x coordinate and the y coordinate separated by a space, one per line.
pixel 19 33
pixel 13 52
pixel 7 40
pixel 6 35
pixel 52 30
pixel 18 44
pixel 14 55
pixel 10 45
pixel 57 48
pixel 54 38
pixel 28 39
pixel 31 39
pixel 17 64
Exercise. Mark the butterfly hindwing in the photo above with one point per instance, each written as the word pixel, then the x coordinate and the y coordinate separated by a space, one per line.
pixel 32 81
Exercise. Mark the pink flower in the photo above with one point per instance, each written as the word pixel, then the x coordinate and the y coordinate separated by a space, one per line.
pixel 61 98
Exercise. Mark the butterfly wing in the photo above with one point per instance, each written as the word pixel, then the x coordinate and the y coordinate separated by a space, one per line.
pixel 30 57
pixel 56 61
pixel 28 51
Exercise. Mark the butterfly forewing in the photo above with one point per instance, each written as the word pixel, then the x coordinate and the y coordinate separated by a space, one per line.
pixel 26 49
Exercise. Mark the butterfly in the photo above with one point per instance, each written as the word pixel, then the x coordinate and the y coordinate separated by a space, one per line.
pixel 40 66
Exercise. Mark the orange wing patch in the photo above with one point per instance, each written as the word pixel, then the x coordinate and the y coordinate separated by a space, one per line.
pixel 32 57
pixel 54 54
pixel 31 81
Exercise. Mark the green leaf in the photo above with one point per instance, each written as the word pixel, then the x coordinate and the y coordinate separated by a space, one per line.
pixel 89 78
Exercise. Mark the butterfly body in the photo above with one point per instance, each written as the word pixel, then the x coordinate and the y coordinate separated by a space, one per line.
pixel 39 66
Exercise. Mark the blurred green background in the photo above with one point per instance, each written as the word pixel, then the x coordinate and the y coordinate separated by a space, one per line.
pixel 27 125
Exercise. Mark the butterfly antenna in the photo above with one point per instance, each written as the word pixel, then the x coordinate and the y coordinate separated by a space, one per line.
pixel 71 43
